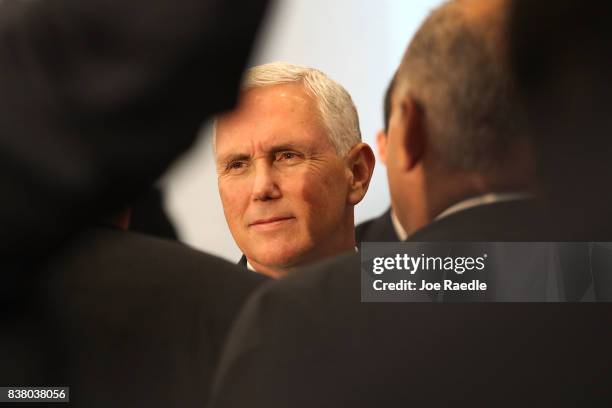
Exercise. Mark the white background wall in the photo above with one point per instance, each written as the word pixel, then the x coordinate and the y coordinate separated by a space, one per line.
pixel 359 43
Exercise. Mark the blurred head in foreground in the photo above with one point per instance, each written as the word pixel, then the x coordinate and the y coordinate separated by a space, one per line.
pixel 456 130
pixel 560 54
pixel 291 167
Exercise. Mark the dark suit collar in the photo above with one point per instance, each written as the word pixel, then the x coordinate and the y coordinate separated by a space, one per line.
pixel 483 199
pixel 516 220
pixel 379 229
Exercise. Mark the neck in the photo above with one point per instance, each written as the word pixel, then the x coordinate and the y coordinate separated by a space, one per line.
pixel 432 197
pixel 468 186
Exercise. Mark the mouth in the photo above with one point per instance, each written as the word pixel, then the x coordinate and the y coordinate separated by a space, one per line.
pixel 269 223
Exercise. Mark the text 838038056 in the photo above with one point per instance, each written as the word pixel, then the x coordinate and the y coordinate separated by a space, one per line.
pixel 34 394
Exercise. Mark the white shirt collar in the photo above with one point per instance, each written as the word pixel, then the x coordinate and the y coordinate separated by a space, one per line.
pixel 397 226
pixel 482 200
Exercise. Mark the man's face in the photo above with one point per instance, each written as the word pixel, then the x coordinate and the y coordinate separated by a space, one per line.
pixel 283 187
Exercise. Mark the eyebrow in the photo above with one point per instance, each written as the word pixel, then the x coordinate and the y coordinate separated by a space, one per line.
pixel 285 146
pixel 233 157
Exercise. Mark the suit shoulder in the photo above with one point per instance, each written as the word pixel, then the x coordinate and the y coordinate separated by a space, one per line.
pixel 378 229
pixel 126 258
pixel 321 286
pixel 122 245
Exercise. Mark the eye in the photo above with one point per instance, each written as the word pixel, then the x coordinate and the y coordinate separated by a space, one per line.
pixel 286 156
pixel 235 165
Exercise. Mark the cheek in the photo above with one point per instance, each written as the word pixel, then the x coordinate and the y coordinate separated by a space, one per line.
pixel 319 195
pixel 233 198
pixel 392 161
pixel 392 180
pixel 396 158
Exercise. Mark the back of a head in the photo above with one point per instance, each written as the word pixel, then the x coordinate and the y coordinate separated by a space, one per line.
pixel 454 71
pixel 387 104
pixel 560 54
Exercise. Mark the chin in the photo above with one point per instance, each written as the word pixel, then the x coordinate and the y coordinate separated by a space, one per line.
pixel 281 257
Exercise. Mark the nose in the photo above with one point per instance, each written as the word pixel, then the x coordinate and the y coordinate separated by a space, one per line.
pixel 265 185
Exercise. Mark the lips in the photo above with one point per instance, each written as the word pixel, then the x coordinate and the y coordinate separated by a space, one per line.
pixel 270 221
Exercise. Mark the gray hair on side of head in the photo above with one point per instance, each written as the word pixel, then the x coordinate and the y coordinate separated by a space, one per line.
pixel 336 108
pixel 471 109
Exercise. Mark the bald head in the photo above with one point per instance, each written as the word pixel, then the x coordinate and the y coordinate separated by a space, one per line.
pixel 454 71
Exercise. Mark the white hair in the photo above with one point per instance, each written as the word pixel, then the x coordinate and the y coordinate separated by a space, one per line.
pixel 336 108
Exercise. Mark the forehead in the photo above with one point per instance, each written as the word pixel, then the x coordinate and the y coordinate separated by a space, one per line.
pixel 269 115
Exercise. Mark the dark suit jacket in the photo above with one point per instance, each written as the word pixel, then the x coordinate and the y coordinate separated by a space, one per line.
pixel 518 220
pixel 377 230
pixel 307 340
pixel 126 320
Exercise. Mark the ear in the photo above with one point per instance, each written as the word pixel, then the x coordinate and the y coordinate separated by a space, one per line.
pixel 381 145
pixel 412 131
pixel 360 161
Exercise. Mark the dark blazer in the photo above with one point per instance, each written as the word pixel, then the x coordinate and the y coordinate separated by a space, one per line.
pixel 126 320
pixel 377 230
pixel 517 220
pixel 601 267
pixel 307 340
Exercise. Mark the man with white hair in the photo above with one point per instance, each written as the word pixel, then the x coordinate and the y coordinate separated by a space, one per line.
pixel 291 167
